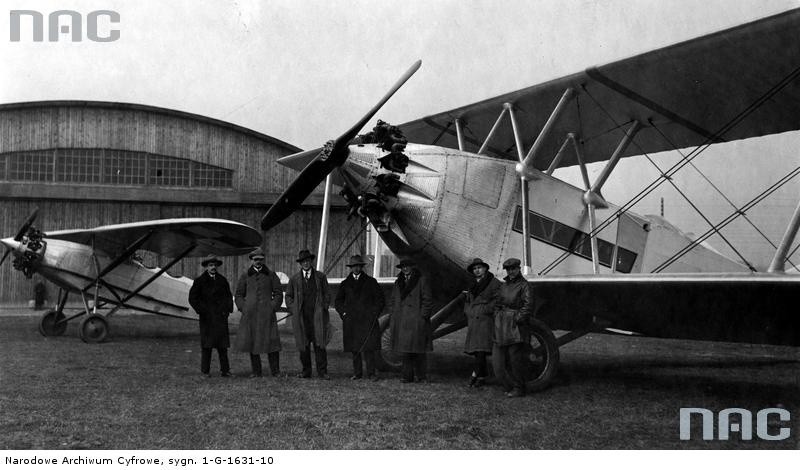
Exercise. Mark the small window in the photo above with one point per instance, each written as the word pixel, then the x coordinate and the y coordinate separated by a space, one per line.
pixel 123 167
pixel 78 165
pixel 569 239
pixel 207 176
pixel 168 171
pixel 31 166
pixel 625 260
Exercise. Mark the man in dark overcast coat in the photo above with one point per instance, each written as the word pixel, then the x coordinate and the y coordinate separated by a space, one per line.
pixel 360 302
pixel 210 296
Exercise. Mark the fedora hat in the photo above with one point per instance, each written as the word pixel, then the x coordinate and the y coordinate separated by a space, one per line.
pixel 356 260
pixel 476 262
pixel 256 252
pixel 304 255
pixel 210 259
pixel 406 262
pixel 511 263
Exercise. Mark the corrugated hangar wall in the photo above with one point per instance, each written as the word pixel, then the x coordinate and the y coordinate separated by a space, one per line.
pixel 85 164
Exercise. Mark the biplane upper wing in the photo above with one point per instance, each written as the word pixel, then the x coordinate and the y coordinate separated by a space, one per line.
pixel 730 85
pixel 169 237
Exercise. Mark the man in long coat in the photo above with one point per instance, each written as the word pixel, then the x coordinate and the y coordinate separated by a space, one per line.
pixel 308 299
pixel 479 311
pixel 359 303
pixel 210 296
pixel 410 323
pixel 513 312
pixel 258 296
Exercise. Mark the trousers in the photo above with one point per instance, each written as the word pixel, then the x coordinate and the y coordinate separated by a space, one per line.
pixel 205 360
pixel 415 365
pixel 369 361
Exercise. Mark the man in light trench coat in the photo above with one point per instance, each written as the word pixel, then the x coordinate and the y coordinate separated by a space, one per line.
pixel 410 323
pixel 258 296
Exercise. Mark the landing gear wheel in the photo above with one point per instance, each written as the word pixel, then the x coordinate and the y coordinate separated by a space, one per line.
pixel 52 324
pixel 543 356
pixel 386 360
pixel 94 329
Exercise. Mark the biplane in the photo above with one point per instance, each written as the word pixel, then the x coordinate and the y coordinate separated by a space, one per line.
pixel 100 266
pixel 478 181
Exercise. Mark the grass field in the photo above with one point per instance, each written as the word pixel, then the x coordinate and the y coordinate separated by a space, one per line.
pixel 143 389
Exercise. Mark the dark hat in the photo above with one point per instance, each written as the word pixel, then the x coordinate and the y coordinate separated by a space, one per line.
pixel 210 259
pixel 511 263
pixel 406 262
pixel 476 262
pixel 356 260
pixel 304 255
pixel 256 252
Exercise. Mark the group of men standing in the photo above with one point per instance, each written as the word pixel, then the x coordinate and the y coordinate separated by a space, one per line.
pixel 258 295
pixel 497 315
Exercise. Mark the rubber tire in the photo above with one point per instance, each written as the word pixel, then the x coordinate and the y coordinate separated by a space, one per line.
pixel 94 329
pixel 386 360
pixel 49 326
pixel 542 376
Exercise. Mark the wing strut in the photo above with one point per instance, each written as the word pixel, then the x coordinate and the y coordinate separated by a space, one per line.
pixel 323 227
pixel 127 253
pixel 524 196
pixel 778 263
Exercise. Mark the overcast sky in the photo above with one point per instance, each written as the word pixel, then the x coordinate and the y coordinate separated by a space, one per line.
pixel 303 71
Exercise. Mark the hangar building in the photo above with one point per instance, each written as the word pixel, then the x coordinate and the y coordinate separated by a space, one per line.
pixel 86 163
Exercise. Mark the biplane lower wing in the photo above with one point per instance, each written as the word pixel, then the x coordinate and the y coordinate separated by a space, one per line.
pixel 748 308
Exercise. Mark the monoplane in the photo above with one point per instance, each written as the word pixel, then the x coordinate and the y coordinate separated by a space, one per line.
pixel 100 266
pixel 477 181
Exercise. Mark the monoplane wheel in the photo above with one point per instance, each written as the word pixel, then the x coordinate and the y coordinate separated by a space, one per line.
pixel 543 356
pixel 94 329
pixel 386 360
pixel 52 324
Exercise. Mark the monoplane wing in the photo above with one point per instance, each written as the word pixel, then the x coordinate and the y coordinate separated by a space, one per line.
pixel 169 237
pixel 734 84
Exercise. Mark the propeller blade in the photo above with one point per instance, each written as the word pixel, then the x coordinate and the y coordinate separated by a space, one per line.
pixel 26 225
pixel 348 136
pixel 8 252
pixel 332 155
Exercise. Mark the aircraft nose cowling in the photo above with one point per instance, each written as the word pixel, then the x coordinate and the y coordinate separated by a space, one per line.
pixel 11 244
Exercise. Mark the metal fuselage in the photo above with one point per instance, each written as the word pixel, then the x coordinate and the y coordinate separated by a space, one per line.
pixel 454 206
pixel 74 267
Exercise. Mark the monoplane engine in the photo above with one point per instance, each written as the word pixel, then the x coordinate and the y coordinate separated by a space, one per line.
pixel 28 250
